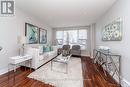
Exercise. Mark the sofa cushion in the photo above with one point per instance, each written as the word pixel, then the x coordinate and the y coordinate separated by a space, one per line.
pixel 41 49
pixel 47 48
pixel 51 48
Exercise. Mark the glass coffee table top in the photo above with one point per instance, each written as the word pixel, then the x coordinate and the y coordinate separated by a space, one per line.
pixel 61 59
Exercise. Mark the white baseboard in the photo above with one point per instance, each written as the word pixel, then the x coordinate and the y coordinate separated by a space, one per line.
pixel 85 55
pixel 125 83
pixel 3 71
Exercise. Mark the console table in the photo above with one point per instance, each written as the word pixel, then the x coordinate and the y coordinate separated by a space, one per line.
pixel 17 60
pixel 110 62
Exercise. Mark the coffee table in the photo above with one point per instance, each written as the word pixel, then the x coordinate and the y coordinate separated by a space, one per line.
pixel 63 60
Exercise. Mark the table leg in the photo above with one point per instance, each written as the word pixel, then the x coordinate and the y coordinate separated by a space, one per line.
pixel 30 65
pixel 25 66
pixel 95 57
pixel 51 65
pixel 66 68
pixel 14 70
pixel 8 72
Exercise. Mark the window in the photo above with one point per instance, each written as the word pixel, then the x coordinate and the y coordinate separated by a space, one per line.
pixel 83 38
pixel 72 37
pixel 59 37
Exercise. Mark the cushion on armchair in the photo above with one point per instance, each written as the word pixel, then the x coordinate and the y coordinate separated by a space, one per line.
pixel 66 50
pixel 65 53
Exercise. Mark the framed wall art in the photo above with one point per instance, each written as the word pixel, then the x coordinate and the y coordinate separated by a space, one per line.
pixel 42 36
pixel 32 33
pixel 113 31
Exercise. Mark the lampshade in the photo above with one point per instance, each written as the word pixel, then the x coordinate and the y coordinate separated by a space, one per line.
pixel 21 39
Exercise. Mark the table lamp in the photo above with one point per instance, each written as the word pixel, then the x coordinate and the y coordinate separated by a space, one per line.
pixel 21 41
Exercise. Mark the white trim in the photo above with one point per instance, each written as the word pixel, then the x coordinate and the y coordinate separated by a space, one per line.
pixel 3 70
pixel 71 28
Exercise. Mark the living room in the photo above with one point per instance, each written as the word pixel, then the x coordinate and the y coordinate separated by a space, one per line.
pixel 64 43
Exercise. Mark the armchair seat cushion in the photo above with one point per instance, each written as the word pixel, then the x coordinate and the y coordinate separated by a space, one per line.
pixel 76 50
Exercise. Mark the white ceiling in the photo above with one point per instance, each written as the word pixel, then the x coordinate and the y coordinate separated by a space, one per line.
pixel 63 13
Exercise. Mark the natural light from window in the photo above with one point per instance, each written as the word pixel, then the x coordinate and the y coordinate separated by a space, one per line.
pixel 72 37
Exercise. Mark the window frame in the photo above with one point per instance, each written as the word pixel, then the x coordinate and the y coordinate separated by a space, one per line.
pixel 78 42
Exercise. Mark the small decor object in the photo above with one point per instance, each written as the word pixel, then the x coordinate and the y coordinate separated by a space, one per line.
pixel 113 31
pixel 59 42
pixel 31 32
pixel 43 36
pixel 104 49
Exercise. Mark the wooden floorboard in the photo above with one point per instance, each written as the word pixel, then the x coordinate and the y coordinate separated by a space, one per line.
pixel 92 77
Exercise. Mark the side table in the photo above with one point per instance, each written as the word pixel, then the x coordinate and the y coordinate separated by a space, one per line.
pixel 17 60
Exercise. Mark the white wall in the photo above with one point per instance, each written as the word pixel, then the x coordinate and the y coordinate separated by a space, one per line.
pixel 120 9
pixel 10 29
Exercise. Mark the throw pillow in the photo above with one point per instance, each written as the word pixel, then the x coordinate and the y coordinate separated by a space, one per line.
pixel 46 49
pixel 65 53
pixel 51 48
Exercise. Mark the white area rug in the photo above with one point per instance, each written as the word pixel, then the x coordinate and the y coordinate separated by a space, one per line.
pixel 74 77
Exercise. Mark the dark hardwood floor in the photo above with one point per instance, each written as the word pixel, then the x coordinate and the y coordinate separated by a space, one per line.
pixel 92 77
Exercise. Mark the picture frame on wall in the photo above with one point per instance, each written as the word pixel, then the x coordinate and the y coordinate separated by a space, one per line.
pixel 113 31
pixel 42 36
pixel 32 33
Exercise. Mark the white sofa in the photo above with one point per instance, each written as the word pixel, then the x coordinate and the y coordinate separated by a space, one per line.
pixel 40 58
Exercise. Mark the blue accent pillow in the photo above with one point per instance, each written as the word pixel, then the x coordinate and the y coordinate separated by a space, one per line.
pixel 46 49
pixel 51 48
